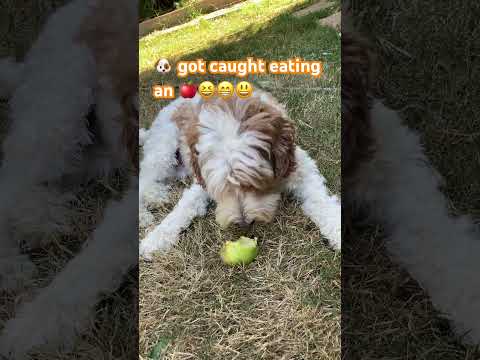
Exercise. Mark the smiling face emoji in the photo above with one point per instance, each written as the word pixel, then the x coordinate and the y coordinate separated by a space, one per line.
pixel 225 90
pixel 206 89
pixel 244 89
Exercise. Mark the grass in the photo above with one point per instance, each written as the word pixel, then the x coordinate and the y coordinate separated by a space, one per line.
pixel 286 304
pixel 149 8
pixel 429 71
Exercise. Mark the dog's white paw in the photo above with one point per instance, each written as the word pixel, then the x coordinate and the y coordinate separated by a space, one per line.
pixel 16 272
pixel 157 240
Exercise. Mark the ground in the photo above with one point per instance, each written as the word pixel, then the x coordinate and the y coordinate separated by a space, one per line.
pixel 429 71
pixel 286 304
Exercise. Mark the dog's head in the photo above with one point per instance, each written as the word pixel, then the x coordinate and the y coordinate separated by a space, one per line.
pixel 240 151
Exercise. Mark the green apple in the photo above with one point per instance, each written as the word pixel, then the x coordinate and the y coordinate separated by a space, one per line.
pixel 240 252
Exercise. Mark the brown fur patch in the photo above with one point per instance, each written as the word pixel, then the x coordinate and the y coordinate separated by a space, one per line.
pixel 186 120
pixel 279 130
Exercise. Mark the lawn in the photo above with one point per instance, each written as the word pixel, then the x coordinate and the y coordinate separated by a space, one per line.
pixel 285 305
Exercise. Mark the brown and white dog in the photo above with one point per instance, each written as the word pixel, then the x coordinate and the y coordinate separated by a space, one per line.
pixel 241 154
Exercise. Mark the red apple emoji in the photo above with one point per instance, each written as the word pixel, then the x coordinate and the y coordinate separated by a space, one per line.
pixel 188 90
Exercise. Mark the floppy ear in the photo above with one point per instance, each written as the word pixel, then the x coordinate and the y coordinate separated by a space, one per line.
pixel 276 129
pixel 283 149
pixel 186 120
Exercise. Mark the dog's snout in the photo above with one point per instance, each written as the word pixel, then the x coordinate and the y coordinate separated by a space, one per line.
pixel 245 224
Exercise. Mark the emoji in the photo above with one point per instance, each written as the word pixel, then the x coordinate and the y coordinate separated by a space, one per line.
pixel 188 90
pixel 163 66
pixel 244 89
pixel 225 89
pixel 206 89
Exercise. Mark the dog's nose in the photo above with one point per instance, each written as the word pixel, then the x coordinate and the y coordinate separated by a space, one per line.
pixel 245 224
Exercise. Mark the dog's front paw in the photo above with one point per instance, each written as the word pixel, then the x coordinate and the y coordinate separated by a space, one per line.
pixel 157 240
pixel 16 272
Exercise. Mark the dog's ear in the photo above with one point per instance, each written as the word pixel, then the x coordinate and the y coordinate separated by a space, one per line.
pixel 283 149
pixel 186 119
pixel 276 129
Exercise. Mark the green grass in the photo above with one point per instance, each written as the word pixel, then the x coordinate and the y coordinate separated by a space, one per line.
pixel 286 304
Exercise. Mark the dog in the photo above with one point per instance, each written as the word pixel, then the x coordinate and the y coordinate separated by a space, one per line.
pixel 387 178
pixel 242 154
pixel 74 117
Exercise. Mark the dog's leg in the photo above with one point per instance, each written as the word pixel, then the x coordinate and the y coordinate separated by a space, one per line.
pixel 308 186
pixel 439 250
pixel 62 309
pixel 193 203
pixel 159 161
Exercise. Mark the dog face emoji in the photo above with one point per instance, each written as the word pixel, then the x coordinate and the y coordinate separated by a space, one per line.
pixel 163 66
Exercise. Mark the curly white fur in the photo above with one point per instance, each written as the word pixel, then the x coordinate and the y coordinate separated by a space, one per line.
pixel 160 143
pixel 193 203
pixel 324 209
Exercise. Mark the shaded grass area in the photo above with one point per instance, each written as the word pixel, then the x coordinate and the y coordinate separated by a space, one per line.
pixel 151 8
pixel 286 304
pixel 428 70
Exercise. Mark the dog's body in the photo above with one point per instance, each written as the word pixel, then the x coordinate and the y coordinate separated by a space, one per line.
pixel 387 173
pixel 242 154
pixel 73 111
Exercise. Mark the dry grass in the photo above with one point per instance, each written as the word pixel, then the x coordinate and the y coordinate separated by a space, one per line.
pixel 429 70
pixel 286 304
